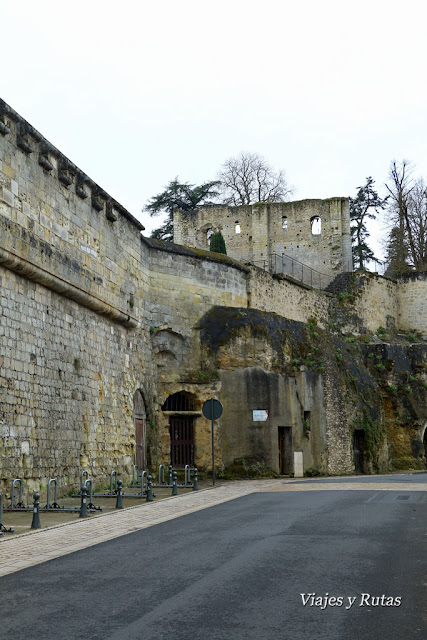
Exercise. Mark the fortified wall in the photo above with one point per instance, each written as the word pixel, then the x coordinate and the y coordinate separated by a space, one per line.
pixel 313 232
pixel 102 328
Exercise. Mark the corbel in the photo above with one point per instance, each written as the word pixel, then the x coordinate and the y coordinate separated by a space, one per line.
pixel 80 186
pixel 23 138
pixel 97 199
pixel 64 174
pixel 110 212
pixel 44 158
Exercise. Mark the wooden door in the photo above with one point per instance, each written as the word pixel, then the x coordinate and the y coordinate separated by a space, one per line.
pixel 140 424
pixel 285 451
pixel 139 443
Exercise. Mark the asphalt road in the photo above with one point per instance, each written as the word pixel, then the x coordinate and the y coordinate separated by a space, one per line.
pixel 237 571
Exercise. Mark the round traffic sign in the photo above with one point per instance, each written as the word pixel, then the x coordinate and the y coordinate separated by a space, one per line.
pixel 212 409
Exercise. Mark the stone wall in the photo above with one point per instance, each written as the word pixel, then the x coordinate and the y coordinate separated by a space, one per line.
pixel 74 343
pixel 253 233
pixel 67 379
pixel 282 295
pixel 412 302
pixel 375 302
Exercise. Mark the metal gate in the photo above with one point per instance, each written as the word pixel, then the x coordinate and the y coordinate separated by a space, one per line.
pixel 182 441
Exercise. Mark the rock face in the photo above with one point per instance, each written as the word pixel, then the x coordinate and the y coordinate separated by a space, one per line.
pixel 99 326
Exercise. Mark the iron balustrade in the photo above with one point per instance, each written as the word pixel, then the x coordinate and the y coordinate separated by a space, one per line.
pixel 283 264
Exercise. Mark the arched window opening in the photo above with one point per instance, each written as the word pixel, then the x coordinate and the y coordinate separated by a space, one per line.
pixel 209 235
pixel 180 401
pixel 316 226
pixel 237 227
pixel 140 424
pixel 284 222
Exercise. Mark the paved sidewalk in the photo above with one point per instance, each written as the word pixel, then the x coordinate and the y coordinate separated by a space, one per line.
pixel 29 549
pixel 35 547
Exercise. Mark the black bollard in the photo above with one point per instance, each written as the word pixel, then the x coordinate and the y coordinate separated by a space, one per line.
pixel 174 485
pixel 149 497
pixel 36 514
pixel 170 475
pixel 195 481
pixel 83 506
pixel 119 499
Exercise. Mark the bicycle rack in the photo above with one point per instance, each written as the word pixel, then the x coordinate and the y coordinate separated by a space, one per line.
pixel 144 483
pixel 12 496
pixel 161 479
pixel 3 529
pixel 54 505
pixel 85 472
pixel 135 476
pixel 187 477
pixel 113 492
pixel 91 506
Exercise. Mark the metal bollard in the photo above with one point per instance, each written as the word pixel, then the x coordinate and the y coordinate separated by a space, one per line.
pixel 149 497
pixel 36 514
pixel 170 475
pixel 83 506
pixel 174 484
pixel 119 499
pixel 195 481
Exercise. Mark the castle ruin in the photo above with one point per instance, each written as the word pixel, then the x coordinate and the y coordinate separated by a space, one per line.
pixel 110 342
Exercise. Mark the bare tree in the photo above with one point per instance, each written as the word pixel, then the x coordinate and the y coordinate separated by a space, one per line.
pixel 408 217
pixel 418 223
pixel 248 178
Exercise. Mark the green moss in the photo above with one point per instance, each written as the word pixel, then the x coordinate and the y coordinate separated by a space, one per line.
pixel 374 434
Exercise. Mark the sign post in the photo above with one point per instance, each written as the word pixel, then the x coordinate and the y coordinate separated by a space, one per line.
pixel 212 410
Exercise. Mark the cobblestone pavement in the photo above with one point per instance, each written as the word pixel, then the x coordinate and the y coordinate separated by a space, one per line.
pixel 38 546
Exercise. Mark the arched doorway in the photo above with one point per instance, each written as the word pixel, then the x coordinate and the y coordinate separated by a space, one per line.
pixel 140 423
pixel 181 409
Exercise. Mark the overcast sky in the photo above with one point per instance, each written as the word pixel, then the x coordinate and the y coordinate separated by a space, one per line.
pixel 136 93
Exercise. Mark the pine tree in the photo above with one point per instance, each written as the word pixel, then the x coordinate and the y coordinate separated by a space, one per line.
pixel 217 243
pixel 362 207
pixel 182 196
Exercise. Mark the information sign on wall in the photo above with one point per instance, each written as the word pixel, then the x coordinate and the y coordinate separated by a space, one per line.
pixel 260 415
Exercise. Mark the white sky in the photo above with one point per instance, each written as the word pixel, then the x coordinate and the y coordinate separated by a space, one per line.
pixel 136 93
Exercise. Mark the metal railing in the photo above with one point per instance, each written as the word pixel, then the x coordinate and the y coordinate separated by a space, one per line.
pixel 285 265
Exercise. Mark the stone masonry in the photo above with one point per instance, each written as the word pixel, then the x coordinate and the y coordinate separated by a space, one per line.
pixel 92 312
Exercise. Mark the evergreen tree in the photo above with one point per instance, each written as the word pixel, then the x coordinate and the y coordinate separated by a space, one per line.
pixel 179 195
pixel 217 243
pixel 365 205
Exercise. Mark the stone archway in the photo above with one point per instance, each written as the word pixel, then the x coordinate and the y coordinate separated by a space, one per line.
pixel 140 424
